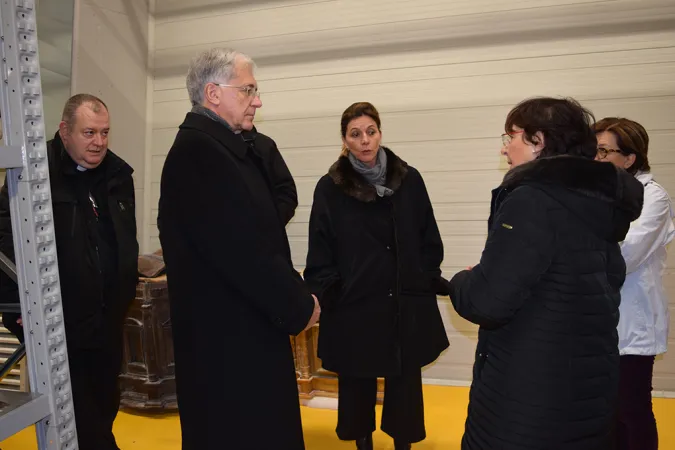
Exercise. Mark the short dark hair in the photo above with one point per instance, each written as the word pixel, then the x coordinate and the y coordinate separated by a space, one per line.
pixel 75 102
pixel 565 124
pixel 631 137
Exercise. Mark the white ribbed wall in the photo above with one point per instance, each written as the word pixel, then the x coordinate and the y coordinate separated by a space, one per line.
pixel 443 75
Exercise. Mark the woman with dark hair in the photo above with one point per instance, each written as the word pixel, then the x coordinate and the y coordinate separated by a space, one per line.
pixel 374 263
pixel 644 318
pixel 546 292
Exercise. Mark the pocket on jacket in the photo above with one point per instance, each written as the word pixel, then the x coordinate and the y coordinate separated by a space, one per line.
pixel 481 358
pixel 125 205
pixel 125 210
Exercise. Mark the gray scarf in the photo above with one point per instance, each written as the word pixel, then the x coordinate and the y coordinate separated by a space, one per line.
pixel 376 175
pixel 204 111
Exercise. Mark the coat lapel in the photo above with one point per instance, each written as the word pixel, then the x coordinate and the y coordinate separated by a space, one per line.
pixel 226 138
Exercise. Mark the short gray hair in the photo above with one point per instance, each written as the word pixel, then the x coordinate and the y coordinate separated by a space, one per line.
pixel 216 65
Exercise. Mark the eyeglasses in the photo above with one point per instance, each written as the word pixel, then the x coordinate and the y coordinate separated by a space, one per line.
pixel 604 152
pixel 507 137
pixel 250 91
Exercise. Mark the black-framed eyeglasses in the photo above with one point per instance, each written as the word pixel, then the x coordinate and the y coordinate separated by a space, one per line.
pixel 604 152
pixel 250 91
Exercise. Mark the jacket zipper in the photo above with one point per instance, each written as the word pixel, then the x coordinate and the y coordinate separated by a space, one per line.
pixel 100 276
pixel 98 256
pixel 72 225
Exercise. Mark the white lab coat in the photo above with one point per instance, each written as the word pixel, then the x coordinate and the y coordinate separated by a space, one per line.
pixel 644 321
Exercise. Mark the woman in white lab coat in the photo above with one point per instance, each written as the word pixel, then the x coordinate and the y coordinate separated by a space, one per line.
pixel 644 318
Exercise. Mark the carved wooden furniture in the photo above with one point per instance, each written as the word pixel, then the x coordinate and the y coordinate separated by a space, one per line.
pixel 147 381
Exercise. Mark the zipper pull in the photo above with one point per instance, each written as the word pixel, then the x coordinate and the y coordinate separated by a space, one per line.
pixel 94 206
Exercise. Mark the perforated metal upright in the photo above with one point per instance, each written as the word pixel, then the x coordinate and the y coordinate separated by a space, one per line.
pixel 49 405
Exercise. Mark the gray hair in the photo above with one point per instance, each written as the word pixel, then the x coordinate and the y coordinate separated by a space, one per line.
pixel 216 65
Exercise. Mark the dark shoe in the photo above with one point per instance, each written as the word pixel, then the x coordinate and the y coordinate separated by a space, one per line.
pixel 365 443
pixel 399 445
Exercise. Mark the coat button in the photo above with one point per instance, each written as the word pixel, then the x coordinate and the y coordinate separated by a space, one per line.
pixel 391 294
pixel 388 247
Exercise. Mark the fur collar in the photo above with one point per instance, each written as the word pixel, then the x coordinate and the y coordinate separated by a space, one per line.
pixel 591 178
pixel 353 184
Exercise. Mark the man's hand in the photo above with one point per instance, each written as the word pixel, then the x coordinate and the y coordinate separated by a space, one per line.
pixel 315 315
pixel 19 321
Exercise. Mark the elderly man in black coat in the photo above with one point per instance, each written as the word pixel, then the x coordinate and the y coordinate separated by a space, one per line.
pixel 235 297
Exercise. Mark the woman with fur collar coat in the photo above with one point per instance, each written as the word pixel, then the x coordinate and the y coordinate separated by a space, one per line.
pixel 546 293
pixel 374 263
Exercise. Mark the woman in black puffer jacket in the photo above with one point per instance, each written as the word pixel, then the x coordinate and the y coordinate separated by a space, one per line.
pixel 546 292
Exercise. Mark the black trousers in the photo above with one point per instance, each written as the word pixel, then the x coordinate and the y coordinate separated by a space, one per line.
pixel 96 395
pixel 403 408
pixel 636 428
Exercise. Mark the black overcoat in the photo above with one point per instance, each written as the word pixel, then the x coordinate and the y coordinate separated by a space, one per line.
pixel 235 297
pixel 374 263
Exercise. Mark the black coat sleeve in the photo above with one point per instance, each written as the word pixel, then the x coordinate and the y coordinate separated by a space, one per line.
pixel 285 191
pixel 432 245
pixel 321 271
pixel 9 291
pixel 519 249
pixel 211 202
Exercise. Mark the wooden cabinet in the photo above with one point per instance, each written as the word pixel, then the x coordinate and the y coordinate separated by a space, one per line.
pixel 147 381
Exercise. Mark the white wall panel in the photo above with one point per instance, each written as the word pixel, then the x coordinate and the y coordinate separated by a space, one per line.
pixel 443 75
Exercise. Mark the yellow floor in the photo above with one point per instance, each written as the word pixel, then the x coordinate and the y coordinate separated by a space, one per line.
pixel 445 410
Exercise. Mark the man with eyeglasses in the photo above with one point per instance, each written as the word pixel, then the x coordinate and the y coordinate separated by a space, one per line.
pixel 241 117
pixel 234 294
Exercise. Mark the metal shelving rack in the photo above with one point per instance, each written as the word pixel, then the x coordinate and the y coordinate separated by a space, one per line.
pixel 49 405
